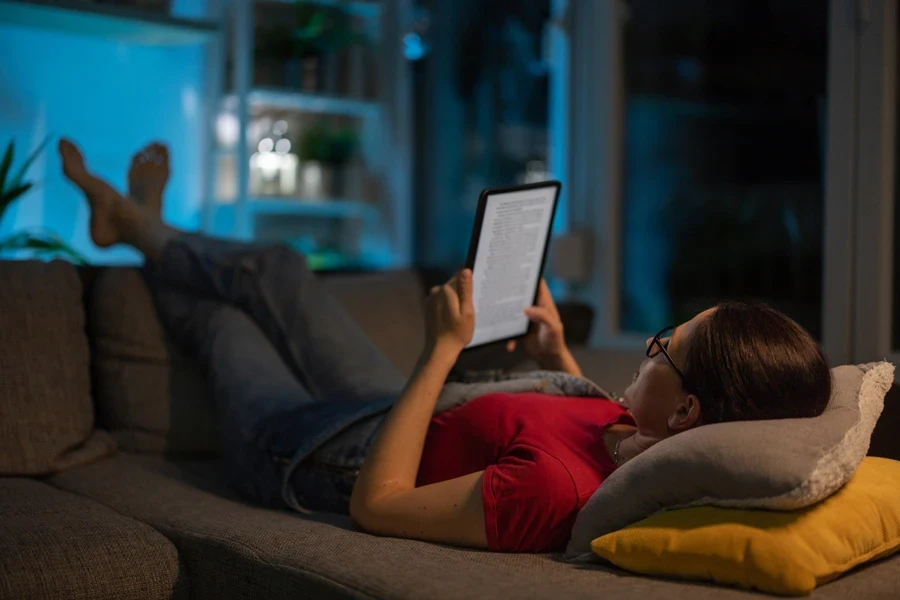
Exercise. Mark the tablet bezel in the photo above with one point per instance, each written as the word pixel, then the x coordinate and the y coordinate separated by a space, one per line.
pixel 476 236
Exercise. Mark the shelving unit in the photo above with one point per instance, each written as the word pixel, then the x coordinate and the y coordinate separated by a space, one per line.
pixel 304 102
pixel 373 218
pixel 304 207
pixel 111 22
pixel 357 8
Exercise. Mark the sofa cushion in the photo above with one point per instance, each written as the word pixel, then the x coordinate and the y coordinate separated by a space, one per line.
pixel 238 551
pixel 780 464
pixel 149 396
pixel 46 412
pixel 56 544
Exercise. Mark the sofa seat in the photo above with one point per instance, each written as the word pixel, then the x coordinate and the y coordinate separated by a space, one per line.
pixel 239 551
pixel 55 544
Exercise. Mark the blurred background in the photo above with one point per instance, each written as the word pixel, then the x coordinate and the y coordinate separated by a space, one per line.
pixel 708 149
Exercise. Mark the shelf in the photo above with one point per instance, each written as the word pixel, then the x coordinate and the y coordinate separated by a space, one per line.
pixel 335 208
pixel 306 102
pixel 105 21
pixel 359 8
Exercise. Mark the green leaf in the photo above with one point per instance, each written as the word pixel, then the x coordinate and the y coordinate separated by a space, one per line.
pixel 17 180
pixel 4 166
pixel 6 198
pixel 42 243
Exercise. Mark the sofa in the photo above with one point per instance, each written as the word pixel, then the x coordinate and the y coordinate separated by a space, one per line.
pixel 112 486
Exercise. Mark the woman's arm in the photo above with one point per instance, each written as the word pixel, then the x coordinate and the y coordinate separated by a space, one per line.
pixel 385 499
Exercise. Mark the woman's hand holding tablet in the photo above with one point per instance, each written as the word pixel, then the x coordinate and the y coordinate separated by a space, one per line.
pixel 507 255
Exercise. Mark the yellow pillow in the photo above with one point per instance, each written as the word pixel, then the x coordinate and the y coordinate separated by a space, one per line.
pixel 779 552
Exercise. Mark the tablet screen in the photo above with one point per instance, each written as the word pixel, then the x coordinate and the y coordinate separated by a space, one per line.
pixel 514 233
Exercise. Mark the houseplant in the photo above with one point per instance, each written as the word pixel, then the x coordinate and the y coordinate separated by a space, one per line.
pixel 36 243
pixel 326 153
pixel 305 45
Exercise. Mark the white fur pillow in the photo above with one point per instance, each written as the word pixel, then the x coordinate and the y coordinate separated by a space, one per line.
pixel 781 464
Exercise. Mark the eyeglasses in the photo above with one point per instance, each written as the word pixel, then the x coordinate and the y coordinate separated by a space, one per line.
pixel 656 346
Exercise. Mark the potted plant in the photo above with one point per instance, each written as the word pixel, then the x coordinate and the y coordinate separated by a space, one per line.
pixel 36 243
pixel 306 53
pixel 325 155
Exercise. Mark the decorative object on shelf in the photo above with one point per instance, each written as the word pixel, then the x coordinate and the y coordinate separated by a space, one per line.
pixel 37 243
pixel 306 57
pixel 326 161
pixel 273 167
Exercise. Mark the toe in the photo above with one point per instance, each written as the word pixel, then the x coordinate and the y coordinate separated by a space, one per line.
pixel 72 160
pixel 161 150
pixel 68 150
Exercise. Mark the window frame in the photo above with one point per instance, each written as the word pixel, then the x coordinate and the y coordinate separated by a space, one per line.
pixel 874 185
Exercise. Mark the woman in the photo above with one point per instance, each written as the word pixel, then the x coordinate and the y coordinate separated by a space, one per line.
pixel 314 417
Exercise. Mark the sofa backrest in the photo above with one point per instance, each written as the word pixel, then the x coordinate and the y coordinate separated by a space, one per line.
pixel 154 399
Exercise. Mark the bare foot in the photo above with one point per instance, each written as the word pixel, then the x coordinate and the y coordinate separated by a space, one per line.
pixel 148 176
pixel 101 196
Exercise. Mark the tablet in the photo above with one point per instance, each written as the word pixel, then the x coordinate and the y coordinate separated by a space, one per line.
pixel 507 255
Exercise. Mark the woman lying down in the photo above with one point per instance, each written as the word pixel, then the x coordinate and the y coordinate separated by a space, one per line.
pixel 315 418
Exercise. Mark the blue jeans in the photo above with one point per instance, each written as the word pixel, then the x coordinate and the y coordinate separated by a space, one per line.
pixel 300 389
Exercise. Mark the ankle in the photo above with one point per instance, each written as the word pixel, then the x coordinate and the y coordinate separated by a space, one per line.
pixel 128 220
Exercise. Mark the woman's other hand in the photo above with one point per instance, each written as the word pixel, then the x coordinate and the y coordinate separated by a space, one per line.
pixel 450 314
pixel 546 342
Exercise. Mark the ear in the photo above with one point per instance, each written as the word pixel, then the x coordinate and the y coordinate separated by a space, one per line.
pixel 687 414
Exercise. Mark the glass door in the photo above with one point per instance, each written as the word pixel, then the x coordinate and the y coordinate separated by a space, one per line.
pixel 491 95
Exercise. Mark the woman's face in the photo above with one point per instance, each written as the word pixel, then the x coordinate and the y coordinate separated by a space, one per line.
pixel 656 397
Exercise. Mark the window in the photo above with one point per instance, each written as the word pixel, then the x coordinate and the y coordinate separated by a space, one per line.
pixel 724 138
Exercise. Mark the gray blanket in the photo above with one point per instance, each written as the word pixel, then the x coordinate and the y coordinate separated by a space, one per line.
pixel 472 385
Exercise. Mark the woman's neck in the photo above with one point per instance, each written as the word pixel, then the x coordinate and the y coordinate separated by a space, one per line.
pixel 618 435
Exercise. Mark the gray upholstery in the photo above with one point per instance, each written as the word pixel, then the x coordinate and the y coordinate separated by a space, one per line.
pixel 149 396
pixel 238 551
pixel 46 413
pixel 54 544
pixel 390 309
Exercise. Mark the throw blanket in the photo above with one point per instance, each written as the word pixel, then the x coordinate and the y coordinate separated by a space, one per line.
pixel 474 384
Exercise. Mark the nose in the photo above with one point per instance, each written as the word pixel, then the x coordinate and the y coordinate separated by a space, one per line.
pixel 647 342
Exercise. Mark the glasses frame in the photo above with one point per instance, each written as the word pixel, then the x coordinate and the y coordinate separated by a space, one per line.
pixel 658 344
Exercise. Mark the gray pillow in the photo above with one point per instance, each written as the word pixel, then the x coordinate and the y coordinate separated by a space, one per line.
pixel 782 464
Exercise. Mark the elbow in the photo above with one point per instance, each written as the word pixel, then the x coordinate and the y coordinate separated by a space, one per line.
pixel 361 512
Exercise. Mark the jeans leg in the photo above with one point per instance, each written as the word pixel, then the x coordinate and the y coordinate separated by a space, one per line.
pixel 320 342
pixel 251 386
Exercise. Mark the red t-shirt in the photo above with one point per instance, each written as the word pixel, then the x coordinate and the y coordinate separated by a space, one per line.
pixel 542 456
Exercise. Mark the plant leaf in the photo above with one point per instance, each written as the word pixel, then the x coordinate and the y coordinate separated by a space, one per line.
pixel 4 166
pixel 42 243
pixel 7 197
pixel 17 180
